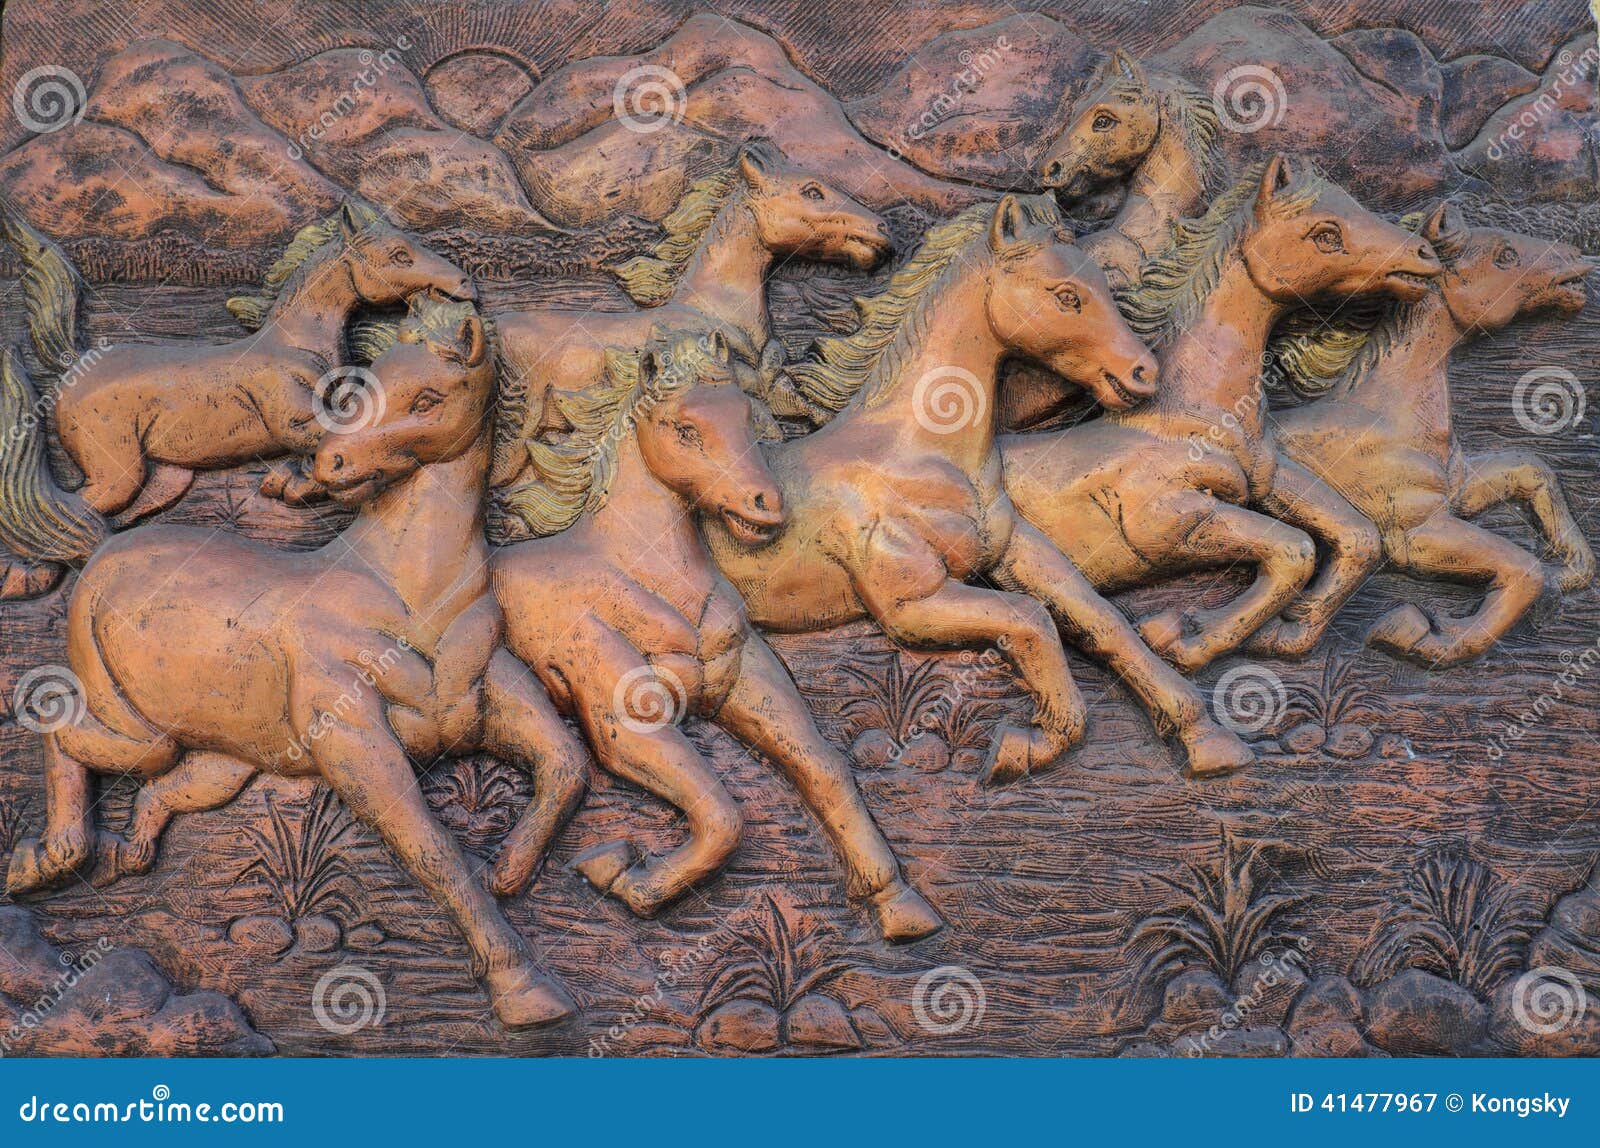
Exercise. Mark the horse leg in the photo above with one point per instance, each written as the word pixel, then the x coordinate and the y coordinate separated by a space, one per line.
pixel 37 863
pixel 1032 564
pixel 1459 551
pixel 521 726
pixel 364 764
pixel 663 762
pixel 1194 529
pixel 1354 545
pixel 23 578
pixel 163 486
pixel 113 467
pixel 202 781
pixel 765 711
pixel 907 590
pixel 1513 476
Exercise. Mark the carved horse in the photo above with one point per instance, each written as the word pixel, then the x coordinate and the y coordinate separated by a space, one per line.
pixel 1154 132
pixel 1193 480
pixel 630 626
pixel 898 502
pixel 708 274
pixel 206 658
pixel 1383 438
pixel 142 418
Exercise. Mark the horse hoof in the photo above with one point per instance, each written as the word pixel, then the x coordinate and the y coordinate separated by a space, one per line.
pixel 1162 631
pixel 34 869
pixel 521 998
pixel 1403 630
pixel 510 875
pixel 1576 576
pixel 1216 752
pixel 1018 751
pixel 21 580
pixel 604 864
pixel 116 857
pixel 903 916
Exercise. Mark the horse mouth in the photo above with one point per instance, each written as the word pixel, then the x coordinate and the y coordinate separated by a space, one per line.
pixel 1408 285
pixel 866 252
pixel 1127 398
pixel 1567 293
pixel 353 490
pixel 747 531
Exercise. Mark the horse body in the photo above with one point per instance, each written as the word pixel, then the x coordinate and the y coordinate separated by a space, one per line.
pixel 1165 489
pixel 633 633
pixel 240 667
pixel 1384 439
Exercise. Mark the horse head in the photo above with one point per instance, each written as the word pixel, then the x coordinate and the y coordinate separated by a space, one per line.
pixel 1050 301
pixel 797 214
pixel 697 434
pixel 1111 128
pixel 388 266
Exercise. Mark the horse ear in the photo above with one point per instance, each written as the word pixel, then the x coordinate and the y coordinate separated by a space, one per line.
pixel 1273 180
pixel 649 368
pixel 720 350
pixel 756 165
pixel 349 218
pixel 1443 223
pixel 1007 224
pixel 1126 69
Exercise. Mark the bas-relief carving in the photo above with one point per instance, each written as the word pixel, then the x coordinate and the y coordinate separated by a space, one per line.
pixel 644 516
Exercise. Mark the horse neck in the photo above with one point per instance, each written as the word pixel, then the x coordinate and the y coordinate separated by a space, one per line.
pixel 726 277
pixel 1170 170
pixel 313 307
pixel 1409 382
pixel 643 518
pixel 1213 366
pixel 425 535
pixel 945 333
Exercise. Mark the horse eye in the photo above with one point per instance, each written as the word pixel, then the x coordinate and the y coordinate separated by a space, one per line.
pixel 688 435
pixel 1328 240
pixel 402 257
pixel 1068 300
pixel 1104 122
pixel 1507 257
pixel 811 191
pixel 423 404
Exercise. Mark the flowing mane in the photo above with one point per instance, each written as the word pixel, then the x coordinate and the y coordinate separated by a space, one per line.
pixel 1193 113
pixel 574 476
pixel 251 310
pixel 837 367
pixel 1174 286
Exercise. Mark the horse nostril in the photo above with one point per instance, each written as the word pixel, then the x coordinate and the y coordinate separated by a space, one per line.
pixel 1054 170
pixel 883 230
pixel 761 502
pixel 1426 252
pixel 1139 373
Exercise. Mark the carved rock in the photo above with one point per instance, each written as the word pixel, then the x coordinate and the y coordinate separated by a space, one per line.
pixel 1418 1014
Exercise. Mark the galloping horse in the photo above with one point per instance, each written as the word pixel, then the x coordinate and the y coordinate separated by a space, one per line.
pixel 1137 496
pixel 708 274
pixel 1155 133
pixel 630 626
pixel 344 664
pixel 899 501
pixel 1382 438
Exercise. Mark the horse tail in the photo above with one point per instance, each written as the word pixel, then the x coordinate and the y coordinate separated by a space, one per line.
pixel 38 520
pixel 51 289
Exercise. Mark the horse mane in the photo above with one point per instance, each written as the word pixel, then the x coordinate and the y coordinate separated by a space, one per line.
pixel 651 279
pixel 1312 355
pixel 837 367
pixel 1195 115
pixel 575 475
pixel 251 310
pixel 1175 284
